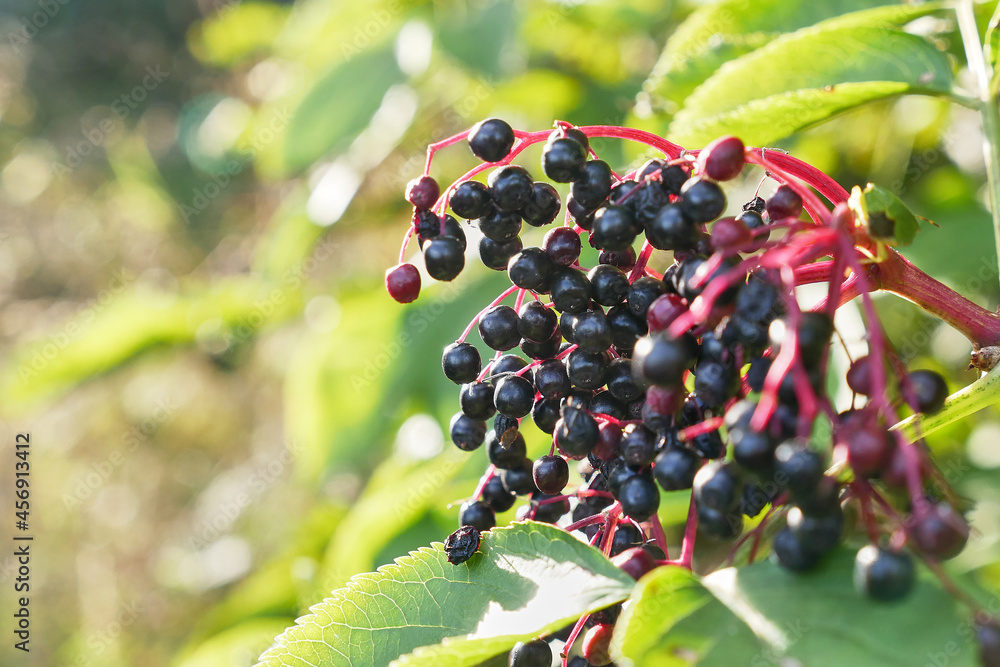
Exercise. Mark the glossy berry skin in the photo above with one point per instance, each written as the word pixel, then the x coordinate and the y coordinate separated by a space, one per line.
pixel 638 445
pixel 790 554
pixel 444 258
pixel 514 396
pixel 636 562
pixel 620 382
pixel 461 362
pixel 783 203
pixel 536 653
pixel 462 544
pixel 730 233
pixel 470 200
pixel 563 159
pixel 586 370
pixel 477 514
pixel 670 229
pixel 722 159
pixel 859 376
pixel 661 361
pixel 675 468
pixel 551 474
pixel 506 364
pixel 531 269
pixel 543 206
pixel 496 254
pixel 642 293
pixel 591 331
pixel 596 645
pixel 639 497
pixel 663 311
pixel 576 432
pixel 498 328
pixel 570 290
pixel 402 282
pixel 498 497
pixel 610 284
pixel 716 485
pixel 614 228
pixel 562 245
pixel 928 389
pixel 626 329
pixel 593 186
pixel 883 575
pixel 545 414
pixel 715 383
pixel 511 187
pixel 536 322
pixel 941 532
pixel 505 457
pixel 422 192
pixel 476 400
pixel 702 200
pixel 797 467
pixel 467 434
pixel 816 533
pixel 491 140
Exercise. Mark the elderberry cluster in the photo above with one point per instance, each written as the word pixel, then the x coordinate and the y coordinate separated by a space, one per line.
pixel 706 377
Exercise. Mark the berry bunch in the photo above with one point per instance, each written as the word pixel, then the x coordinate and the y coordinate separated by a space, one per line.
pixel 706 377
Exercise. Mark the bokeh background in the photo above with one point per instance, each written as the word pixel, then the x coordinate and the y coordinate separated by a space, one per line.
pixel 198 199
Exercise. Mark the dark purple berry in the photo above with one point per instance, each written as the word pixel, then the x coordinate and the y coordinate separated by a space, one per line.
pixel 514 396
pixel 613 229
pixel 882 574
pixel 531 269
pixel 928 390
pixel 790 554
pixel 587 370
pixel 511 187
pixel 461 362
pixel 498 497
pixel 551 474
pixel 543 207
pixel 518 480
pixel 610 284
pixel 562 245
pixel 570 290
pixel 784 203
pixel 670 229
pixel 675 468
pixel 563 159
pixel 591 331
pixel 470 200
pixel 505 456
pixel 402 282
pixel 594 185
pixel 444 258
pixel 661 361
pixel 636 562
pixel 422 192
pixel 941 532
pixel 702 200
pixel 536 322
pixel 477 514
pixel 496 254
pixel 536 653
pixel 498 328
pixel 723 159
pixel 500 226
pixel 491 140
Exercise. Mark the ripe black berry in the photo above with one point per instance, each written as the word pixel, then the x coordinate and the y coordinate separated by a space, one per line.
pixel 670 229
pixel 576 432
pixel 626 329
pixel 402 282
pixel 506 364
pixel 563 159
pixel 603 403
pixel 797 467
pixel 477 514
pixel 514 396
pixel 531 269
pixel 702 200
pixel 535 653
pixel 620 382
pixel 639 497
pixel 941 532
pixel 816 533
pixel 460 545
pixel 720 524
pixel 551 474
pixel 476 400
pixel 929 390
pixel 491 140
pixel 551 379
pixel 543 350
pixel 570 290
pixel 638 445
pixel 591 331
pixel 784 203
pixel 422 192
pixel 715 383
pixel 790 554
pixel 496 254
pixel 498 328
pixel 586 370
pixel 545 414
pixel 716 486
pixel 582 215
pixel 500 226
pixel 505 456
pixel 536 322
pixel 498 497
pixel 517 479
pixel 815 330
pixel 642 293
pixel 562 245
pixel 614 228
pixel 722 159
pixel 467 434
pixel 471 199
pixel 882 574
pixel 594 185
pixel 610 284
pixel 444 258
pixel 461 362
pixel 543 207
pixel 511 187
pixel 661 361
pixel 675 468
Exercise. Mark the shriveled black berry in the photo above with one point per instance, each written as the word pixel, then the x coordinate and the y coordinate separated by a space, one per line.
pixel 562 245
pixel 536 322
pixel 716 486
pixel 610 284
pixel 477 514
pixel 491 140
pixel 505 456
pixel 543 207
pixel 430 225
pixel 517 479
pixel 570 290
pixel 586 370
pixel 496 255
pixel 591 331
pixel 675 467
pixel 646 202
pixel 514 396
pixel 551 474
pixel 460 545
pixel 511 187
pixel 476 399
pixel 499 498
pixel 639 497
pixel 671 177
pixel 620 382
pixel 444 258
pixel 661 360
pixel 638 445
pixel 506 428
pixel 929 390
pixel 882 574
pixel 790 554
pixel 576 432
pixel 642 293
pixel 670 229
pixel 614 228
pixel 461 362
pixel 471 199
pixel 594 184
pixel 702 200
pixel 563 159
pixel 551 379
pixel 498 328
pixel 500 226
pixel 783 203
pixel 624 260
pixel 531 269
pixel 626 328
pixel 467 434
pixel 545 414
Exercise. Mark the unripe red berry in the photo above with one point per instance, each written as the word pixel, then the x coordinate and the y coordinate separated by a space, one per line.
pixel 403 282
pixel 941 533
pixel 859 376
pixel 663 311
pixel 722 159
pixel 635 562
pixel 596 644
pixel 422 192
pixel 784 203
pixel 730 233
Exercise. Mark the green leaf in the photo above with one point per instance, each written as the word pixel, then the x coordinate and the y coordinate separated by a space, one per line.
pixel 808 76
pixel 527 579
pixel 820 619
pixel 883 214
pixel 659 601
pixel 724 31
pixel 340 105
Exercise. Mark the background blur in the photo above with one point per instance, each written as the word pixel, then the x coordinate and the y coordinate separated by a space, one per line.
pixel 198 200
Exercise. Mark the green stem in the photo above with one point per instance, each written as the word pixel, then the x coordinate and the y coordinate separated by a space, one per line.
pixel 982 393
pixel 987 108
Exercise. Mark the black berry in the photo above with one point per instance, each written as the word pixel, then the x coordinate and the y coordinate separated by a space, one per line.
pixel 491 140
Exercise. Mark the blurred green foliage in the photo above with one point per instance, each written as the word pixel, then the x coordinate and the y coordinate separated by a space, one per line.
pixel 199 200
